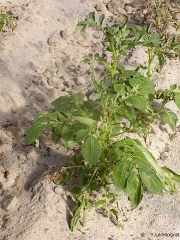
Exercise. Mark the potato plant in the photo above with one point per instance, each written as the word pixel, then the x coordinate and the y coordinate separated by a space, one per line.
pixel 97 125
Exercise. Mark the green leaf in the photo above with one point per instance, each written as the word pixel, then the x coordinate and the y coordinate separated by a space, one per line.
pixel 138 102
pixel 170 118
pixel 177 99
pixel 92 16
pixel 88 121
pixel 92 109
pixel 34 132
pixel 155 39
pixel 64 103
pixel 140 160
pixel 68 103
pixel 144 86
pixel 140 33
pixel 127 111
pixel 76 190
pixel 137 146
pixel 76 218
pixel 100 203
pixel 85 217
pixel 170 182
pixel 120 88
pixel 134 189
pixel 121 173
pixel 91 150
pixel 101 19
pixel 70 144
pixel 81 134
pixel 171 173
pixel 152 182
pixel 67 132
pixel 161 58
pixel 56 132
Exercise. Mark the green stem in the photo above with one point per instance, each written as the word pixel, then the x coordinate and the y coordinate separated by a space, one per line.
pixel 162 105
pixel 151 57
pixel 114 63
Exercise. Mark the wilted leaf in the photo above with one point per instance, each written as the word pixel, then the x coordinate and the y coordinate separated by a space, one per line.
pixel 134 189
pixel 121 173
pixel 152 182
pixel 177 99
pixel 170 118
pixel 170 172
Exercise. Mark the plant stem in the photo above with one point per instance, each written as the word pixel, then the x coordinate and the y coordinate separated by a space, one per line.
pixel 151 57
pixel 114 63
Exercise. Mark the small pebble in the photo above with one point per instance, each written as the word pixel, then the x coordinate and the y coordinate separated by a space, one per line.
pixel 81 81
pixel 177 16
pixel 64 34
pixel 55 82
pixel 52 41
pixel 100 7
pixel 113 7
pixel 58 190
pixel 83 43
pixel 129 9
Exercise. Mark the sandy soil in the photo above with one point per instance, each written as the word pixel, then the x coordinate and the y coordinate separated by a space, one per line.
pixel 39 61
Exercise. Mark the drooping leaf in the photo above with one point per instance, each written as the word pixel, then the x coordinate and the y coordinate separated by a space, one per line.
pixel 161 58
pixel 137 146
pixel 34 132
pixel 170 118
pixel 76 218
pixel 177 99
pixel 134 189
pixel 91 150
pixel 56 132
pixel 152 182
pixel 140 161
pixel 121 173
pixel 171 184
pixel 170 172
